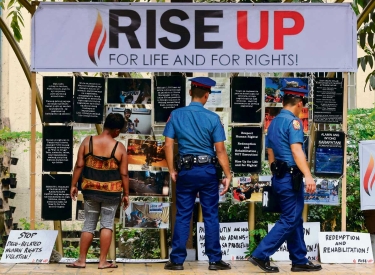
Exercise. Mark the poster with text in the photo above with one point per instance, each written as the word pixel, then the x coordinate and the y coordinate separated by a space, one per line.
pixel 276 87
pixel 328 100
pixel 147 215
pixel 57 149
pixel 148 183
pixel 29 246
pixel 169 95
pixel 137 120
pixel 129 91
pixel 89 99
pixel 311 232
pixel 234 241
pixel 326 193
pixel 329 153
pixel 367 176
pixel 56 201
pixel 345 248
pixel 246 99
pixel 145 153
pixel 57 99
pixel 220 93
pixel 246 149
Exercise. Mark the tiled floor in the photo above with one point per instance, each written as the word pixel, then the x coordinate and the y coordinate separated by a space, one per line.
pixel 238 267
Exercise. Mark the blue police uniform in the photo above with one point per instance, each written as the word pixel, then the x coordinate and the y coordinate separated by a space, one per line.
pixel 285 129
pixel 196 129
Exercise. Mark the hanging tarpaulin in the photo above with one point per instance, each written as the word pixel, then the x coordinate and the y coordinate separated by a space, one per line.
pixel 159 37
pixel 367 171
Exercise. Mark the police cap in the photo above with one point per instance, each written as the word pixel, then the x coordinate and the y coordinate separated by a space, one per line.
pixel 202 82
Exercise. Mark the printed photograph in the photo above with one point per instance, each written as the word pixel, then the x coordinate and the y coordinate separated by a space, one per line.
pixel 146 153
pixel 137 120
pixel 277 86
pixel 146 215
pixel 249 188
pixel 149 183
pixel 129 91
pixel 327 192
pixel 329 161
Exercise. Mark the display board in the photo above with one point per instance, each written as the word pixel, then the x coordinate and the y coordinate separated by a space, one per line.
pixel 246 155
pixel 129 91
pixel 56 201
pixel 328 100
pixel 169 94
pixel 29 246
pixel 329 153
pixel 57 149
pixel 234 241
pixel 311 232
pixel 246 99
pixel 57 99
pixel 89 99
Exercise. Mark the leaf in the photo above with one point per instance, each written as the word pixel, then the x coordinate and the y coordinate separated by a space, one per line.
pixel 363 63
pixel 370 60
pixel 372 82
pixel 361 3
pixel 10 4
pixel 362 40
pixel 370 39
pixel 359 59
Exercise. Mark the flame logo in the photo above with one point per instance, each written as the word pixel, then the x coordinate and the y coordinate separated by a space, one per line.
pixel 94 39
pixel 367 183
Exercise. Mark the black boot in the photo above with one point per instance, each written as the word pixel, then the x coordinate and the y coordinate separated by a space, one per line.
pixel 309 266
pixel 220 265
pixel 173 266
pixel 264 265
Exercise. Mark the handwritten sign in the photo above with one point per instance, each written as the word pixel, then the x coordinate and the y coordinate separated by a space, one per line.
pixel 345 247
pixel 29 246
pixel 311 236
pixel 234 240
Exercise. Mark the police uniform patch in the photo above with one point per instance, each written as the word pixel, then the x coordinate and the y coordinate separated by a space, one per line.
pixel 296 125
pixel 169 117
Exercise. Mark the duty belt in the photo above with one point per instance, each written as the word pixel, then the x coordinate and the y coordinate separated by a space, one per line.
pixel 187 161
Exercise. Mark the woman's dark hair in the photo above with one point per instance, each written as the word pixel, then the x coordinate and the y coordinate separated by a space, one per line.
pixel 114 121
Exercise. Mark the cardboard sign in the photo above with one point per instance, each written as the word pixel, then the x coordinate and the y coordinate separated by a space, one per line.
pixel 234 240
pixel 345 247
pixel 29 246
pixel 311 236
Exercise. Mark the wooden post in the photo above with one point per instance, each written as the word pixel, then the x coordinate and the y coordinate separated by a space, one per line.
pixel 251 216
pixel 59 243
pixel 163 240
pixel 32 149
pixel 345 129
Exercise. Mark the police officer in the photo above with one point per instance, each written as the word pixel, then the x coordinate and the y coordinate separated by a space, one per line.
pixel 198 131
pixel 285 154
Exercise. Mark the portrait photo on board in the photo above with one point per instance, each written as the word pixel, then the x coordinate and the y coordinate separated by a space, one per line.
pixel 327 192
pixel 145 153
pixel 137 120
pixel 149 183
pixel 129 91
pixel 249 188
pixel 146 215
pixel 277 86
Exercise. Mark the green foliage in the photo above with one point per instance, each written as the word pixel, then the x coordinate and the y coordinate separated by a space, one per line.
pixel 73 252
pixel 25 224
pixel 17 19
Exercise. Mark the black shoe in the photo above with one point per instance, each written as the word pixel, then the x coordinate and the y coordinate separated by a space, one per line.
pixel 309 266
pixel 173 266
pixel 265 266
pixel 220 265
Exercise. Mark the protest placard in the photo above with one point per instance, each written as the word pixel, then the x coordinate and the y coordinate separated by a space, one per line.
pixel 29 246
pixel 345 247
pixel 234 240
pixel 311 236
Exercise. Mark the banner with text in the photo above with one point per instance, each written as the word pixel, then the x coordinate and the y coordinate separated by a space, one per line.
pixel 206 37
pixel 345 247
pixel 367 168
pixel 29 246
pixel 311 232
pixel 234 240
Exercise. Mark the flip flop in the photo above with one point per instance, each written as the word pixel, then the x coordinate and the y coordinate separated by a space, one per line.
pixel 109 266
pixel 73 265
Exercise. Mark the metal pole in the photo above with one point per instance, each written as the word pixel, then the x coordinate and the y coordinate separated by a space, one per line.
pixel 345 129
pixel 32 150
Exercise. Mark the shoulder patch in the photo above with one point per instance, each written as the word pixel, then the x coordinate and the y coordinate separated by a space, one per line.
pixel 169 118
pixel 296 125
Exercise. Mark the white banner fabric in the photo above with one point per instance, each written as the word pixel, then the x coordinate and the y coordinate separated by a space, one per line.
pixel 160 37
pixel 367 172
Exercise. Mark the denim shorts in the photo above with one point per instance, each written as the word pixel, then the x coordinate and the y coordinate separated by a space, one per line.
pixel 94 208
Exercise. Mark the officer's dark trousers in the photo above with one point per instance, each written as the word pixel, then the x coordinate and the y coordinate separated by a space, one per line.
pixel 290 226
pixel 200 179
